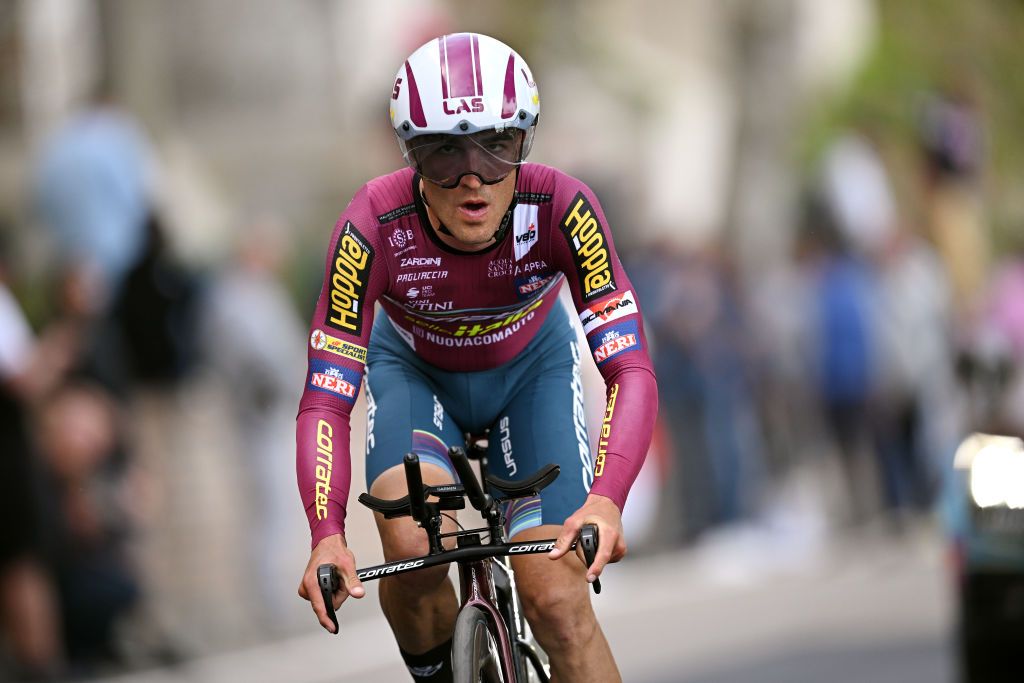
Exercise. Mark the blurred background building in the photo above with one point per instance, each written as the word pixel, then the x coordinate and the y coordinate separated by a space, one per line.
pixel 815 200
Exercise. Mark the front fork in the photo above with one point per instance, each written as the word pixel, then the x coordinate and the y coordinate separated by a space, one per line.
pixel 505 582
pixel 476 586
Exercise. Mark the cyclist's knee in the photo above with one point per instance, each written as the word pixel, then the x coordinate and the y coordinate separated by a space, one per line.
pixel 417 584
pixel 558 607
pixel 402 539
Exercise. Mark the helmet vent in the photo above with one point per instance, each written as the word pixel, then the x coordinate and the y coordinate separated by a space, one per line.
pixel 415 103
pixel 508 105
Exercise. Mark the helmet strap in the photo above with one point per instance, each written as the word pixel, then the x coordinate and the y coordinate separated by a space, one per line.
pixel 441 227
pixel 506 220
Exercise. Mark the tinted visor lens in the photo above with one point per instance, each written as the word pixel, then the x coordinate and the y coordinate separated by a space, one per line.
pixel 444 159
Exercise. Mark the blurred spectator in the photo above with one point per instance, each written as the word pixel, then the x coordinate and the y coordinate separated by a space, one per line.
pixel 951 139
pixel 92 191
pixel 844 358
pixel 253 339
pixel 951 135
pixel 155 312
pixel 704 386
pixel 91 516
pixel 995 356
pixel 915 381
pixel 29 621
pixel 857 192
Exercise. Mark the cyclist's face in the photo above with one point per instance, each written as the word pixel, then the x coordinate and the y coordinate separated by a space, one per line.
pixel 471 210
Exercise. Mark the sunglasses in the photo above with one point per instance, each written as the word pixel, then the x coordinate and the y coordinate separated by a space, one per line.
pixel 444 159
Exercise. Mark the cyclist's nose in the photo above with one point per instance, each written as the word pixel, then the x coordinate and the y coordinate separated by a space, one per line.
pixel 471 180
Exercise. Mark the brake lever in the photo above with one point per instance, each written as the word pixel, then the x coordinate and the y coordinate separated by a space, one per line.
pixel 588 541
pixel 327 577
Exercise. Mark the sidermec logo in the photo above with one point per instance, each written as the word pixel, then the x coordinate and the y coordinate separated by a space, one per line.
pixel 531 547
pixel 610 309
pixel 349 275
pixel 589 248
pixel 391 569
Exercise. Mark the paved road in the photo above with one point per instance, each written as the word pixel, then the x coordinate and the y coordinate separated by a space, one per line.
pixel 873 610
pixel 746 607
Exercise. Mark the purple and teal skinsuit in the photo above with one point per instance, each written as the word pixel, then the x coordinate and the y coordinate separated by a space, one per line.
pixel 467 312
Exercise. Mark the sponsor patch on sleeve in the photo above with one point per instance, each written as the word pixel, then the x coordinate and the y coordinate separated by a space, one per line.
pixel 611 341
pixel 589 248
pixel 333 379
pixel 607 310
pixel 531 284
pixel 350 272
pixel 321 341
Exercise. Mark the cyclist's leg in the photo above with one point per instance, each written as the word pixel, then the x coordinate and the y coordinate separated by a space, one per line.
pixel 544 423
pixel 404 415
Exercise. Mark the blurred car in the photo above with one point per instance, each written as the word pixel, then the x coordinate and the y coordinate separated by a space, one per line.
pixel 984 509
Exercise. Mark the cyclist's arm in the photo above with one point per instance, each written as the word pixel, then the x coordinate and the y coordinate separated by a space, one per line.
pixel 354 276
pixel 582 248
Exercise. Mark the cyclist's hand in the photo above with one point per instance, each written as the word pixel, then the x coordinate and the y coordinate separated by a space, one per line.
pixel 330 550
pixel 602 512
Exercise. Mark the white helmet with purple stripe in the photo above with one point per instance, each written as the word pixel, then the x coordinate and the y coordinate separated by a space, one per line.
pixel 463 84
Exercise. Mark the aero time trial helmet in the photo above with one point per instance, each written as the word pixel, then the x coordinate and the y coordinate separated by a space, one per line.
pixel 464 103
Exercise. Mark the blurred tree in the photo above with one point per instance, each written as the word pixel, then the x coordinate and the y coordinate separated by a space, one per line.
pixel 972 49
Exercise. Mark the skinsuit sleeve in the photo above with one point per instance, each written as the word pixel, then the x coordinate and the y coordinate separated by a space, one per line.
pixel 354 277
pixel 582 248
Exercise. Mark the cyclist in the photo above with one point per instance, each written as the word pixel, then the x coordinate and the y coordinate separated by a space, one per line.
pixel 465 251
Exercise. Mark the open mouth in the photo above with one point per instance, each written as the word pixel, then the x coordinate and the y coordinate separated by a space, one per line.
pixel 473 208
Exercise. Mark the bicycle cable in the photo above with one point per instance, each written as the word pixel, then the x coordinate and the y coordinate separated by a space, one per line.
pixel 454 519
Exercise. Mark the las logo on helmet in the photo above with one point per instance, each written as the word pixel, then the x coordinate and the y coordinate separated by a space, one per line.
pixel 473 105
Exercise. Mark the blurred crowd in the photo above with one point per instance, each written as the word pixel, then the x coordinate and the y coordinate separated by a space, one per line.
pixel 888 333
pixel 119 326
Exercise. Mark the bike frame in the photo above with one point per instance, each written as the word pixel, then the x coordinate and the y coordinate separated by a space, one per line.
pixel 462 555
pixel 476 583
pixel 472 557
pixel 477 588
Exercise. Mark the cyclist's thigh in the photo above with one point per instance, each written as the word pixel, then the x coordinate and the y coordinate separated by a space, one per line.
pixel 404 415
pixel 544 423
